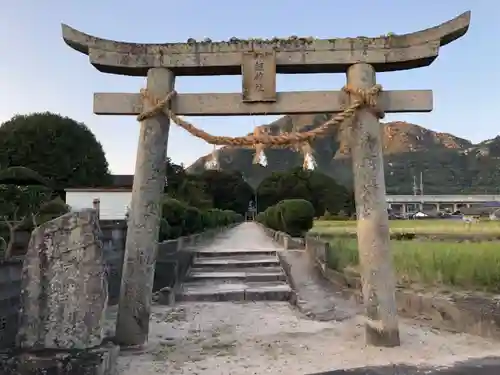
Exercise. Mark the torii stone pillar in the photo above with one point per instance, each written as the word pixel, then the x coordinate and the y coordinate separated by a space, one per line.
pixel 258 61
pixel 132 327
pixel 378 281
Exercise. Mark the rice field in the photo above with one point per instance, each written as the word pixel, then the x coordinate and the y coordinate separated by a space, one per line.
pixel 432 226
pixel 467 266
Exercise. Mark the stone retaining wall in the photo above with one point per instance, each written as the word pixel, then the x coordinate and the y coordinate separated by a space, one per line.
pixel 10 293
pixel 284 239
pixel 173 260
pixel 469 312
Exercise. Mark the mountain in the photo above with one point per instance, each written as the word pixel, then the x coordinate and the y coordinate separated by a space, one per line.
pixel 449 164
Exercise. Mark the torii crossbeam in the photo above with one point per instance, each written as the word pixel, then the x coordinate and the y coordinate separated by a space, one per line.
pixel 258 61
pixel 294 55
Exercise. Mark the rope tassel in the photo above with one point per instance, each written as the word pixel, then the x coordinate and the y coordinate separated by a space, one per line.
pixel 213 162
pixel 260 156
pixel 309 161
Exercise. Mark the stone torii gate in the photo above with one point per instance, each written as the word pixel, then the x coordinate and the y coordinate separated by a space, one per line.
pixel 362 103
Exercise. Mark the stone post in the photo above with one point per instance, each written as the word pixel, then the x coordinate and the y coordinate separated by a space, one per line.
pixel 62 312
pixel 96 204
pixel 132 325
pixel 373 224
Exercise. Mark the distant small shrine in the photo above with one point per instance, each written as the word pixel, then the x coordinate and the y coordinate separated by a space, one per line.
pixel 251 212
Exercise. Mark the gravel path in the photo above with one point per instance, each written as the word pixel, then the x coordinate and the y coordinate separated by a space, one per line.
pixel 272 338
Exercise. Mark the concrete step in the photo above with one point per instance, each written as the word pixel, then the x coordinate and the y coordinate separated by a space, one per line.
pixel 234 291
pixel 237 268
pixel 235 252
pixel 254 274
pixel 229 263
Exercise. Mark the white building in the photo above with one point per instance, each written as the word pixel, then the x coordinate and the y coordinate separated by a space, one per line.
pixel 114 200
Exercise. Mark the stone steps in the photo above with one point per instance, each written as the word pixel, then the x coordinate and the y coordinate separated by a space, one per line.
pixel 235 261
pixel 235 252
pixel 258 274
pixel 235 275
pixel 234 291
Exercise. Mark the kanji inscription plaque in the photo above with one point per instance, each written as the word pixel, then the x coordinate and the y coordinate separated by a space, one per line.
pixel 259 76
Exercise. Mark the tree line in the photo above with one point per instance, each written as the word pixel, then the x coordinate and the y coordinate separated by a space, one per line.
pixel 41 154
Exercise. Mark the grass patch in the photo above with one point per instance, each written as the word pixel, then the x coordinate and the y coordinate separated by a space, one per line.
pixel 432 226
pixel 469 266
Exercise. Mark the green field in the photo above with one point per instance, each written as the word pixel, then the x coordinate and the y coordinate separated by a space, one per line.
pixel 444 263
pixel 469 266
pixel 433 226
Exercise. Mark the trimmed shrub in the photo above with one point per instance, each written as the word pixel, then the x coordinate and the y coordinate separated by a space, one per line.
pixel 207 219
pixel 174 214
pixel 193 221
pixel 261 218
pixel 179 219
pixel 296 216
pixel 292 216
pixel 164 230
pixel 52 209
pixel 271 219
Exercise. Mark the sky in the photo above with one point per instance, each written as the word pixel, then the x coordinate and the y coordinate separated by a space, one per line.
pixel 39 72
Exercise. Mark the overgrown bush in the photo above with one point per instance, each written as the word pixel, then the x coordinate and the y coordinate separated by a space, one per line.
pixel 292 216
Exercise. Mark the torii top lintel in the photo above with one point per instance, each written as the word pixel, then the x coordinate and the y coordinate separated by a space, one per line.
pixel 293 55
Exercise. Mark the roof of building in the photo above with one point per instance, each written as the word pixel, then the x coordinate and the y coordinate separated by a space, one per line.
pixel 123 180
pixel 120 182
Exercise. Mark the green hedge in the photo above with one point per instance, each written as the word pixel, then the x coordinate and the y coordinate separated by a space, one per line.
pixel 179 219
pixel 292 216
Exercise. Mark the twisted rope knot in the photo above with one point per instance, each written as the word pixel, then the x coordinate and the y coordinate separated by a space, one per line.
pixel 159 105
pixel 367 97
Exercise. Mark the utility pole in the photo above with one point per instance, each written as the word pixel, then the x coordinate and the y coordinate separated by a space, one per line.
pixel 421 184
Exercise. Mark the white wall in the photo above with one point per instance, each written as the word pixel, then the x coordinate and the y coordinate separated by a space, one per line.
pixel 113 205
